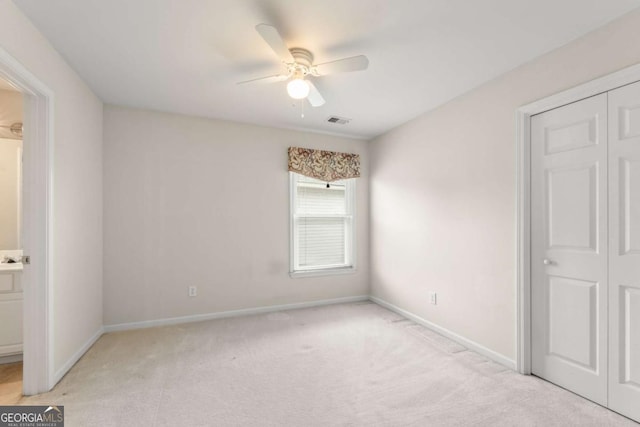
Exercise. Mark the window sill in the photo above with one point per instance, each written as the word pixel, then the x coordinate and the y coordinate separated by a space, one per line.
pixel 322 272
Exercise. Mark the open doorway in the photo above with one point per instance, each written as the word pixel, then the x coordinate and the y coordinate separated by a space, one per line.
pixel 11 267
pixel 34 226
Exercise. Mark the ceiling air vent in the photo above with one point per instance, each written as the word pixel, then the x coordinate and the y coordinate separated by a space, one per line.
pixel 338 120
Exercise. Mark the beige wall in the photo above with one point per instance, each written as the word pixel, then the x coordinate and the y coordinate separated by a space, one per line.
pixel 443 190
pixel 10 168
pixel 11 109
pixel 10 149
pixel 77 185
pixel 198 202
pixel 442 202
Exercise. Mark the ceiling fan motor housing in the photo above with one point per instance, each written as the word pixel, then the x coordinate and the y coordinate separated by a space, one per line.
pixel 303 57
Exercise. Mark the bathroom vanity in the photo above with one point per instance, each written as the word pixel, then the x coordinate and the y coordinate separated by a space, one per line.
pixel 10 309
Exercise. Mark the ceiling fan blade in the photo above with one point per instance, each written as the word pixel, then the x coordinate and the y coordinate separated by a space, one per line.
pixel 274 40
pixel 314 97
pixel 269 79
pixel 354 63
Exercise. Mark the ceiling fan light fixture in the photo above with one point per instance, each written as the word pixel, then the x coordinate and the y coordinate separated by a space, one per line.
pixel 298 88
pixel 299 64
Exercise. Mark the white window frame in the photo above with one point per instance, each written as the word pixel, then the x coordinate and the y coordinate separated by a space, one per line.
pixel 350 236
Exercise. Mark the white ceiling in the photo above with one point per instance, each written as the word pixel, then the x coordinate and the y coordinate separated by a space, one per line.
pixel 185 56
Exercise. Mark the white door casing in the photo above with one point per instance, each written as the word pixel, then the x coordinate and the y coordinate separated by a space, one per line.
pixel 624 253
pixel 569 246
pixel 623 333
pixel 37 212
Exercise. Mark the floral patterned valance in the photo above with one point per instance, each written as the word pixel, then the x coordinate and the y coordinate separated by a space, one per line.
pixel 326 166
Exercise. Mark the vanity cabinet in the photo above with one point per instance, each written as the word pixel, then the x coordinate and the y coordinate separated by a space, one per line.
pixel 10 310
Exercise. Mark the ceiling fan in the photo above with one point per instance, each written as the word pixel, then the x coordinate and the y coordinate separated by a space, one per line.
pixel 299 66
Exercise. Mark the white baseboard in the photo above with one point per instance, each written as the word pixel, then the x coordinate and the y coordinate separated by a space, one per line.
pixel 230 313
pixel 12 358
pixel 471 345
pixel 76 356
pixel 10 350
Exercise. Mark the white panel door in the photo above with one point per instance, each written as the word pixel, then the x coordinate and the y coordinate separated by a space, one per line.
pixel 624 252
pixel 569 247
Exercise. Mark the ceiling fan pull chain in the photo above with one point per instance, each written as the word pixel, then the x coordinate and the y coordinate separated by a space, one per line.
pixel 302 108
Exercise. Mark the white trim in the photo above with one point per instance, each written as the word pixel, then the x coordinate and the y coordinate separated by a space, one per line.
pixel 338 271
pixel 230 313
pixel 471 345
pixel 12 358
pixel 523 242
pixel 523 145
pixel 77 355
pixel 11 349
pixel 350 236
pixel 37 215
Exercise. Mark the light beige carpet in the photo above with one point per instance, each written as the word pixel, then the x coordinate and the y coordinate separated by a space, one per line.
pixel 344 365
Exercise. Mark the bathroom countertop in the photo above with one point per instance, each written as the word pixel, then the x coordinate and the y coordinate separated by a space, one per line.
pixel 10 267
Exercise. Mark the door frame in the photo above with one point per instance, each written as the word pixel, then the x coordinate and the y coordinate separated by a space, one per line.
pixel 523 194
pixel 37 218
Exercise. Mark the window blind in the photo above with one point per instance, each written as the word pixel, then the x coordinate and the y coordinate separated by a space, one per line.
pixel 321 223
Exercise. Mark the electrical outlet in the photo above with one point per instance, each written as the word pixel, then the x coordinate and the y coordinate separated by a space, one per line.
pixel 193 291
pixel 433 298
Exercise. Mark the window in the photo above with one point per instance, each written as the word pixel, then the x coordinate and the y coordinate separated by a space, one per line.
pixel 322 224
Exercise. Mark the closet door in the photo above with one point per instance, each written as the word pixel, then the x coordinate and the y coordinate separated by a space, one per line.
pixel 569 247
pixel 624 258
